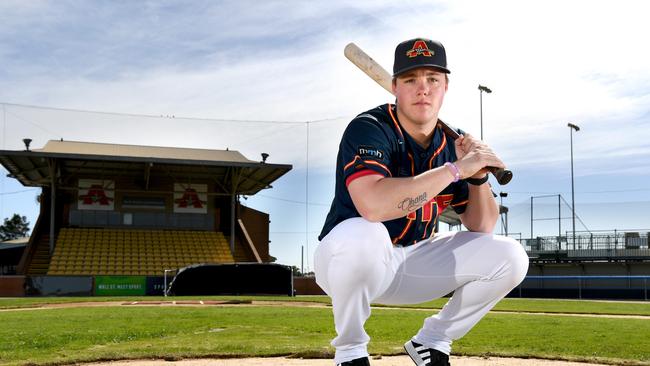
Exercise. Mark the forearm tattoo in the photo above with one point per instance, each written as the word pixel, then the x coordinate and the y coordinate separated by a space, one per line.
pixel 409 204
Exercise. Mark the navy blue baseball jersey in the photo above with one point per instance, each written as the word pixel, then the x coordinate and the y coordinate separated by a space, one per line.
pixel 375 143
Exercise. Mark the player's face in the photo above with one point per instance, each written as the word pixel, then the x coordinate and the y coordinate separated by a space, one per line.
pixel 420 93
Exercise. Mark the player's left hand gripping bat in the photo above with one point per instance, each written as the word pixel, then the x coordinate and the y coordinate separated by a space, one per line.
pixel 377 73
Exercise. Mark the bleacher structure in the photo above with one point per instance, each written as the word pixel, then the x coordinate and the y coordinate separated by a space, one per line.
pixel 112 216
pixel 134 252
pixel 591 246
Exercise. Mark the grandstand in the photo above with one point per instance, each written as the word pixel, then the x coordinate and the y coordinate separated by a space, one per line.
pixel 93 251
pixel 126 211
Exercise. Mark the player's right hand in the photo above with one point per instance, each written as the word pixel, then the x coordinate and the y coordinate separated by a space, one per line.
pixel 473 156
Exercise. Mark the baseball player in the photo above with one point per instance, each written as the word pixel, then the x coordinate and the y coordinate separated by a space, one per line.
pixel 396 172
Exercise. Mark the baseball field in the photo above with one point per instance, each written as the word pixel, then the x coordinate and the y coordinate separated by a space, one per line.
pixel 62 331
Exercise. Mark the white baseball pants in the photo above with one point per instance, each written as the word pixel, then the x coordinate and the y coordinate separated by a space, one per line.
pixel 356 264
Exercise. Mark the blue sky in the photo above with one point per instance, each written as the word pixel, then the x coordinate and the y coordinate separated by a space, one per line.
pixel 249 75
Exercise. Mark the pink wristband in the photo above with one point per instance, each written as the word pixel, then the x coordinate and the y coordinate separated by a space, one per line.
pixel 454 171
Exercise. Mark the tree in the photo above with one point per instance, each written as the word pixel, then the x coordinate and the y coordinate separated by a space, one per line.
pixel 16 227
pixel 296 271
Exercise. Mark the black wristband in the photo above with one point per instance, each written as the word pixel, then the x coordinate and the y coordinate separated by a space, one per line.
pixel 477 181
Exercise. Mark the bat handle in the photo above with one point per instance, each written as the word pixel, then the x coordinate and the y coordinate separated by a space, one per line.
pixel 503 176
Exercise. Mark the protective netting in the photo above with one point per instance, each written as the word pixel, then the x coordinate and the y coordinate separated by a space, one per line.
pixel 299 201
pixel 309 146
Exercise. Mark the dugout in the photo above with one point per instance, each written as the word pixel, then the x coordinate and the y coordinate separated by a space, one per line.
pixel 112 210
pixel 10 253
pixel 246 278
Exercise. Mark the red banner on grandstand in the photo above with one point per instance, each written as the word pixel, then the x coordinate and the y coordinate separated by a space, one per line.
pixel 190 198
pixel 96 194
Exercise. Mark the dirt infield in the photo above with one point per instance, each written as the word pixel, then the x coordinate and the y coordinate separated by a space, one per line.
pixel 384 361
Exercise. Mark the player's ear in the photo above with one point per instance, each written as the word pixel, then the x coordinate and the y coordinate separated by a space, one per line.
pixel 393 85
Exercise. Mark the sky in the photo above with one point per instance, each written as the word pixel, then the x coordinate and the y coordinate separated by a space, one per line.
pixel 271 77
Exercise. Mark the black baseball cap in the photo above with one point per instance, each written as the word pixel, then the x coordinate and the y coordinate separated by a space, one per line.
pixel 419 52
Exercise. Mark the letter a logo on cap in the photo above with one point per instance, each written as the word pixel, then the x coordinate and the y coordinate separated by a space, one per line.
pixel 419 48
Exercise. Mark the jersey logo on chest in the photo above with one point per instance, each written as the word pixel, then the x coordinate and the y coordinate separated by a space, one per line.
pixel 370 152
pixel 437 205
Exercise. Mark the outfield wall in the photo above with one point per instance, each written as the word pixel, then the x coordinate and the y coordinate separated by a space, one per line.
pixel 307 286
pixel 12 286
pixel 549 280
pixel 623 286
pixel 584 287
pixel 586 280
pixel 92 286
pixel 590 269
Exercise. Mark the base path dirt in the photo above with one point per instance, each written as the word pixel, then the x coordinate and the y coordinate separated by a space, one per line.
pixel 383 361
pixel 238 303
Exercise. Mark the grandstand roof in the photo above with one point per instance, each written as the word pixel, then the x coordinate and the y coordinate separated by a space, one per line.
pixel 232 172
pixel 138 151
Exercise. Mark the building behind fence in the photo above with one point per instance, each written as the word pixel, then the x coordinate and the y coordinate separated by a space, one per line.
pixel 597 264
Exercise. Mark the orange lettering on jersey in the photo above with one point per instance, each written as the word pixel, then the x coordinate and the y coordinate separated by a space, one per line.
pixel 443 201
pixel 430 212
pixel 428 209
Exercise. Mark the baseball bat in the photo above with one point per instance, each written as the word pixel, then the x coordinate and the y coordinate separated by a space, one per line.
pixel 377 73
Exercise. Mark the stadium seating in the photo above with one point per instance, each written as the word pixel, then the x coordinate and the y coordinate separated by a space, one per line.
pixel 87 251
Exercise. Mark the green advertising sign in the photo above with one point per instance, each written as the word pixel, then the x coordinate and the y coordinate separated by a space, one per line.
pixel 120 285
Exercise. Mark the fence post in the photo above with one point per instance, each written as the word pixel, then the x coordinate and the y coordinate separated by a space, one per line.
pixel 580 288
pixel 165 283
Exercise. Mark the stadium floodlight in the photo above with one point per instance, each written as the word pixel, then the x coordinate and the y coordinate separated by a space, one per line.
pixel 573 201
pixel 481 89
pixel 27 142
pixel 484 88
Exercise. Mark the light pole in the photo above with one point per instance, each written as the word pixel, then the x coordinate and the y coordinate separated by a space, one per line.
pixel 481 89
pixel 505 211
pixel 573 202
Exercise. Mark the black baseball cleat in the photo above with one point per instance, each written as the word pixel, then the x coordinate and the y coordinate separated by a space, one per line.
pixel 423 356
pixel 363 361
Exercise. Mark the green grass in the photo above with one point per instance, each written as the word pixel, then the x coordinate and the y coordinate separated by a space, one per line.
pixel 66 335
pixel 539 336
